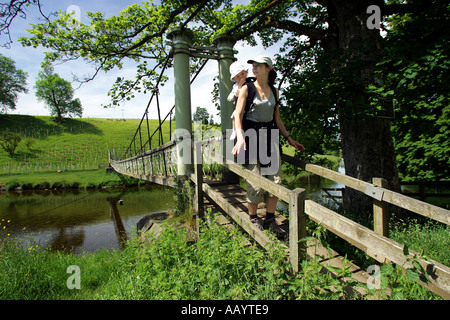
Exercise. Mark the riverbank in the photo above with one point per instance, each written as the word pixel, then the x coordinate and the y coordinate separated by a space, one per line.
pixel 70 179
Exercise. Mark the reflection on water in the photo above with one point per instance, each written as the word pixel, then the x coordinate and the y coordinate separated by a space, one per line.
pixel 320 189
pixel 80 220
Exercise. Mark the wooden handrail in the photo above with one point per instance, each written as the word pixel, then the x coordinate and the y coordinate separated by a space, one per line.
pixel 373 191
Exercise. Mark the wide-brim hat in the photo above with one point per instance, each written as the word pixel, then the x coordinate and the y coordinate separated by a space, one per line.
pixel 262 59
pixel 236 68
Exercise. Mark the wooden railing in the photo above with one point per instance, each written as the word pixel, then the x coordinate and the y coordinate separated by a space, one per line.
pixel 374 243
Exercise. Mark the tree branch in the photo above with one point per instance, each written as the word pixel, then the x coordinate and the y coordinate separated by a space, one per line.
pixel 390 9
pixel 313 33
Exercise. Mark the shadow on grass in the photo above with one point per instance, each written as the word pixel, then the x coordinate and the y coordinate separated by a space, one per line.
pixel 39 128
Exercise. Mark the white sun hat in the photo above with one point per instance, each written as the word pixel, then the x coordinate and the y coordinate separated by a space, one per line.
pixel 235 68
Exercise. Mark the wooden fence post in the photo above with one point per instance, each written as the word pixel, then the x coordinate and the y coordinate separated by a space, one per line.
pixel 297 228
pixel 380 211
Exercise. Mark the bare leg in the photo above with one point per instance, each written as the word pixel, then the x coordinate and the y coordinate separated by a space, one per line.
pixel 271 204
pixel 252 207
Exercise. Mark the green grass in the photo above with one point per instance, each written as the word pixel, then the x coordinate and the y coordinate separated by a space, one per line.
pixel 75 142
pixel 74 146
pixel 432 238
pixel 217 266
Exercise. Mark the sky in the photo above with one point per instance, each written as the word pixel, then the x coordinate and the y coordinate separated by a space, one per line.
pixel 94 93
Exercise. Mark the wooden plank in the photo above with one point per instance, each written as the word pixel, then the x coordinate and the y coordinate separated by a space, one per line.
pixel 198 181
pixel 297 228
pixel 240 217
pixel 256 179
pixel 417 206
pixel 379 247
pixel 326 173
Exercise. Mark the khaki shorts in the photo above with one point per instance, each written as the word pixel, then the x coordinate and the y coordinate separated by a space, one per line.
pixel 256 194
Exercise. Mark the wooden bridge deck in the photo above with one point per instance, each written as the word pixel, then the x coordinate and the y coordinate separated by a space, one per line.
pixel 219 197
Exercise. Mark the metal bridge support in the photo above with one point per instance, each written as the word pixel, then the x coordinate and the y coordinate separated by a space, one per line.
pixel 224 45
pixel 182 38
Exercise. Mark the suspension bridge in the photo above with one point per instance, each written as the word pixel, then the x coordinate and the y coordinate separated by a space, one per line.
pixel 205 160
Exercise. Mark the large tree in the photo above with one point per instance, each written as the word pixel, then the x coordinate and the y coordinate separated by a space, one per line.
pixel 57 94
pixel 201 114
pixel 12 82
pixel 335 32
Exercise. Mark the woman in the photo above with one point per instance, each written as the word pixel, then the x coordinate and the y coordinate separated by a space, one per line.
pixel 263 109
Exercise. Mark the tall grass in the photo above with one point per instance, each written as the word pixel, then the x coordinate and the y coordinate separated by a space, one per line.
pixel 219 265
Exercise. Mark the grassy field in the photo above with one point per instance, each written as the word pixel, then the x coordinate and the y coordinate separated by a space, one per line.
pixel 79 147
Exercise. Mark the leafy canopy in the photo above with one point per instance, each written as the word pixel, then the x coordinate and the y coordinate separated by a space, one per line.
pixel 12 82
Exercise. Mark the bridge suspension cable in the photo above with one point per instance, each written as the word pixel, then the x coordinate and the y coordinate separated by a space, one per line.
pixel 142 146
pixel 128 152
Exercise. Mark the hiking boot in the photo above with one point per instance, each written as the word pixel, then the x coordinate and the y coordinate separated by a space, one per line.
pixel 256 222
pixel 272 225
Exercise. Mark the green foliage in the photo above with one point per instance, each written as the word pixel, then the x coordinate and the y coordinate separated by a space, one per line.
pixel 12 82
pixel 395 284
pixel 9 141
pixel 425 237
pixel 310 112
pixel 201 114
pixel 218 266
pixel 417 78
pixel 183 197
pixel 57 94
pixel 29 141
pixel 79 147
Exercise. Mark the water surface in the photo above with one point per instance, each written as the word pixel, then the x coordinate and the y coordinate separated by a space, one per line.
pixel 79 220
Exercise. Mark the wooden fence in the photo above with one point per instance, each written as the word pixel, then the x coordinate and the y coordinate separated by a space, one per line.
pixel 374 243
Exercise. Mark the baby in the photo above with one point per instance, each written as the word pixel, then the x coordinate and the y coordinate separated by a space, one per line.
pixel 238 76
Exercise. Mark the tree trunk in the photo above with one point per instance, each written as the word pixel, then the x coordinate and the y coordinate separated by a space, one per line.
pixel 367 144
pixel 368 152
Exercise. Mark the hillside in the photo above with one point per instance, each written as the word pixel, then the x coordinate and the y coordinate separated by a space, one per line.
pixel 72 145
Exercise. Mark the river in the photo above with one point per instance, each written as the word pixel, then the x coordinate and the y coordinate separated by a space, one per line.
pixel 79 220
pixel 87 220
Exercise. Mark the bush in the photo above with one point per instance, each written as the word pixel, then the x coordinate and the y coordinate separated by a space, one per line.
pixel 9 141
pixel 12 185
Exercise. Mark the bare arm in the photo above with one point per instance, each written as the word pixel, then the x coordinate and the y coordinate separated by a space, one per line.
pixel 240 108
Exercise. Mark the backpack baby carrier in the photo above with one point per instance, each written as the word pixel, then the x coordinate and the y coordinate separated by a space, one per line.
pixel 259 127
